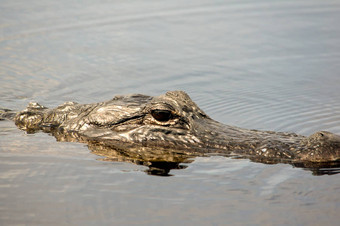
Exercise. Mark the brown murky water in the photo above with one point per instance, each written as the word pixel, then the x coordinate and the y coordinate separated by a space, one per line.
pixel 263 65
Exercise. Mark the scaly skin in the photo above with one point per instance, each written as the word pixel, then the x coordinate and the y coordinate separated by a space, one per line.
pixel 172 122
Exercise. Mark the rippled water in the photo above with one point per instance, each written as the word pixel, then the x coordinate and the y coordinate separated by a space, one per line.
pixel 270 65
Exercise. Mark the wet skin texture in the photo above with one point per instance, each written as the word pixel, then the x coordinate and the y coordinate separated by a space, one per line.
pixel 169 128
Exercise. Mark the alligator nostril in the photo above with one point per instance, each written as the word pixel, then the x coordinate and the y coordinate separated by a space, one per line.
pixel 321 134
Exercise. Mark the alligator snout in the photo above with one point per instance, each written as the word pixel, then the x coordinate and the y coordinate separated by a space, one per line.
pixel 322 147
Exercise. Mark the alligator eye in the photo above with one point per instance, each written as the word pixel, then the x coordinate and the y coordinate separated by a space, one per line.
pixel 161 115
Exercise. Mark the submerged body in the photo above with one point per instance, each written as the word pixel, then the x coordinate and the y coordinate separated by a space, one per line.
pixel 171 122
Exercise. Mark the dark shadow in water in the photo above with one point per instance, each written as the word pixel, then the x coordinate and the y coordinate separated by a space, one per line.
pixel 160 161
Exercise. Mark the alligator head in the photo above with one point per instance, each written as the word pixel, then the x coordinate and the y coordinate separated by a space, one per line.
pixel 172 122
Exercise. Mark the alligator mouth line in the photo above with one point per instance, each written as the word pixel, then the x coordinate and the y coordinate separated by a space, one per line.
pixel 119 122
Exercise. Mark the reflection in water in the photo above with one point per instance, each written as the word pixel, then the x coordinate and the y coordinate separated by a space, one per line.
pixel 158 161
pixel 321 169
pixel 161 160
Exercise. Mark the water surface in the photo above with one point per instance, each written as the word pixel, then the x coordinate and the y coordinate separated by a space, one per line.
pixel 271 65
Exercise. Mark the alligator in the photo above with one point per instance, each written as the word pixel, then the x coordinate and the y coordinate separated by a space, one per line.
pixel 169 128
